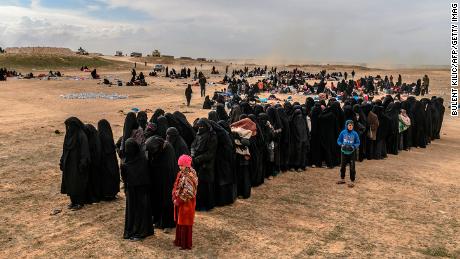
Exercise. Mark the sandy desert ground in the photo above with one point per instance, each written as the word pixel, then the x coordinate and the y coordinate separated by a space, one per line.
pixel 406 206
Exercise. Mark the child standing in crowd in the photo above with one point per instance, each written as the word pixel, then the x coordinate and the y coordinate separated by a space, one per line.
pixel 184 198
pixel 349 142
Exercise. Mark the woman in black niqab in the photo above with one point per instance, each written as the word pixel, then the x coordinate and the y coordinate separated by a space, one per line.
pixel 110 172
pixel 315 142
pixel 221 113
pixel 225 177
pixel 203 152
pixel 178 143
pixel 156 115
pixel 235 113
pixel 93 188
pixel 135 175
pixel 74 163
pixel 163 169
pixel 142 119
pixel 212 116
pixel 187 132
pixel 284 139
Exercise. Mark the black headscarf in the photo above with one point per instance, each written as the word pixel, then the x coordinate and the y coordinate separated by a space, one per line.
pixel 106 136
pixel 246 108
pixel 177 142
pixel 130 125
pixel 222 114
pixel 73 126
pixel 274 118
pixel 212 116
pixel 162 126
pixel 235 113
pixel 132 151
pixel 156 115
pixel 203 135
pixel 142 119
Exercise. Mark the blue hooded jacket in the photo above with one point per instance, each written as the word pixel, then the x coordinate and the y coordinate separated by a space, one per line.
pixel 348 138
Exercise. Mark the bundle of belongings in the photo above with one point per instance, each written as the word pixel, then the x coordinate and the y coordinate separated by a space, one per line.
pixel 242 131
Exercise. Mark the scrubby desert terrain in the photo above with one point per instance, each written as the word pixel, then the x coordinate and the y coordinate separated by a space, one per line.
pixel 407 206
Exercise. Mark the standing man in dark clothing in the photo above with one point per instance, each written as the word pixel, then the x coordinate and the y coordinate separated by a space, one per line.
pixel 426 83
pixel 202 82
pixel 188 94
pixel 353 74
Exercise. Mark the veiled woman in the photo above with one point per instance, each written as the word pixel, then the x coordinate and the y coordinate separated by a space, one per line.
pixel 203 152
pixel 163 170
pixel 110 172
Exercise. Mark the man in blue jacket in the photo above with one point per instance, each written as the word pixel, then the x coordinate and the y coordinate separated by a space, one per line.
pixel 349 142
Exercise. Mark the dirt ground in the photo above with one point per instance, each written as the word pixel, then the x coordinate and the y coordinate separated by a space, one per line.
pixel 406 206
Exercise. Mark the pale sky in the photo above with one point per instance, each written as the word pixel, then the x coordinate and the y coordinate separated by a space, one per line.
pixel 406 32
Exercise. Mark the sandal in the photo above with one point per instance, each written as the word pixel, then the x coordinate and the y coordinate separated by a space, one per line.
pixel 341 182
pixel 351 185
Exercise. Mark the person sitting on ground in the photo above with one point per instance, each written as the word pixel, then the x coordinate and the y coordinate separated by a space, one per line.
pixel 94 74
pixel 207 103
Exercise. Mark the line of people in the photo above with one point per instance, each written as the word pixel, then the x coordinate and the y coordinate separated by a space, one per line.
pixel 233 152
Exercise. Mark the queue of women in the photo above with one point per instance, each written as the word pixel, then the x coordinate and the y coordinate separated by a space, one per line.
pixel 170 168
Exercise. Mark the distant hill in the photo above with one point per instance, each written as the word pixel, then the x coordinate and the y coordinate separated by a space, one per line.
pixel 55 62
pixel 40 51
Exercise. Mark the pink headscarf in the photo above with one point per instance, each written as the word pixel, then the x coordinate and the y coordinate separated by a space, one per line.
pixel 185 160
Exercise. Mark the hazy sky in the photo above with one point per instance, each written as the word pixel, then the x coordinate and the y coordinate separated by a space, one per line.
pixel 367 31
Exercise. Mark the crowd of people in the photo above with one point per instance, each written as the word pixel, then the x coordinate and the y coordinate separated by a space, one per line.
pixel 300 82
pixel 232 152
pixel 5 73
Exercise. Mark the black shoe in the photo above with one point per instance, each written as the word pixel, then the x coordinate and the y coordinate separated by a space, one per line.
pixel 77 207
pixel 136 239
pixel 70 206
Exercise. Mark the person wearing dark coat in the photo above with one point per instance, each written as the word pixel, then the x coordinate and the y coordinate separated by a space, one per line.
pixel 162 126
pixel 212 116
pixel 175 139
pixel 268 133
pixel 338 112
pixel 235 114
pixel 203 152
pixel 156 114
pixel 186 130
pixel 93 188
pixel 428 119
pixel 259 153
pixel 242 165
pixel 135 175
pixel 110 172
pixel 439 103
pixel 380 149
pixel 361 129
pixel 163 170
pixel 131 129
pixel 225 177
pixel 208 103
pixel 419 124
pixel 299 141
pixel 277 125
pixel 246 108
pixel 392 141
pixel 142 119
pixel 188 94
pixel 74 163
pixel 328 133
pixel 284 140
pixel 222 114
pixel 315 142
